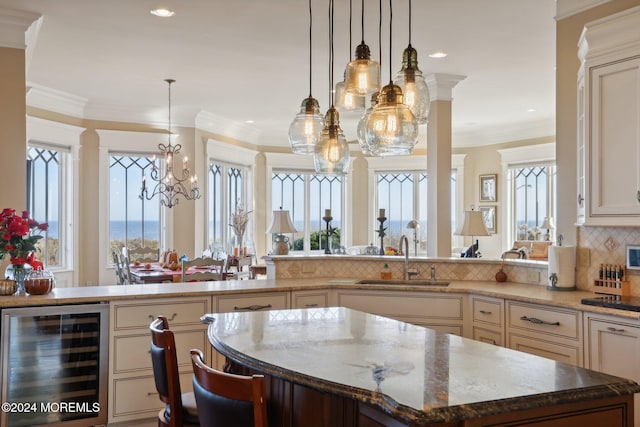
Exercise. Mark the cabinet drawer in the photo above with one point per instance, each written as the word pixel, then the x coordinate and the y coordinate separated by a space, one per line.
pixel 310 299
pixel 545 320
pixel 487 310
pixel 254 302
pixel 140 315
pixel 487 336
pixel 136 398
pixel 131 352
pixel 550 350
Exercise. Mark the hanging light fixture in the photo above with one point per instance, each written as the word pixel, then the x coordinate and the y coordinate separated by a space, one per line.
pixel 169 187
pixel 391 128
pixel 362 74
pixel 412 83
pixel 305 129
pixel 362 125
pixel 345 100
pixel 332 151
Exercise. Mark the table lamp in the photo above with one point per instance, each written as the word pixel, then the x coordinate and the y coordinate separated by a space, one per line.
pixel 548 225
pixel 280 224
pixel 473 225
pixel 415 226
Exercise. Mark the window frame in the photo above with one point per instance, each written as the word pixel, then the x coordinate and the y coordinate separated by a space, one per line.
pixel 65 138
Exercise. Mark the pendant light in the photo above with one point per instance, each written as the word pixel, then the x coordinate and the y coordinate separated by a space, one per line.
pixel 167 185
pixel 345 100
pixel 305 129
pixel 362 124
pixel 331 156
pixel 363 74
pixel 391 128
pixel 412 83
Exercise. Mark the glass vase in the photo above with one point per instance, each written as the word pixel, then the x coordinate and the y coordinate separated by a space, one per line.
pixel 18 272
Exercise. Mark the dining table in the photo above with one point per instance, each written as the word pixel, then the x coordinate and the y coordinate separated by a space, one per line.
pixel 156 273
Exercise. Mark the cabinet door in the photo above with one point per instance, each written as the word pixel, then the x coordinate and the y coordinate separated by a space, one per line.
pixel 309 299
pixel 615 139
pixel 612 346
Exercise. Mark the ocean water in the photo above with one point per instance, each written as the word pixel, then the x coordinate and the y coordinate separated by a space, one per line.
pixel 119 230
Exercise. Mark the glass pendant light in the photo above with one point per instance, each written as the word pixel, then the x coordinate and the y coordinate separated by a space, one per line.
pixel 332 151
pixel 305 128
pixel 362 124
pixel 345 100
pixel 363 74
pixel 391 128
pixel 331 155
pixel 412 83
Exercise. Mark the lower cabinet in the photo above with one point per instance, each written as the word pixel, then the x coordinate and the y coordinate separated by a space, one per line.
pixel 311 299
pixel 440 311
pixel 487 317
pixel 612 346
pixel 551 332
pixel 132 392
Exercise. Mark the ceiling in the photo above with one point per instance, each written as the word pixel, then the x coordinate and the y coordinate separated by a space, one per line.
pixel 243 65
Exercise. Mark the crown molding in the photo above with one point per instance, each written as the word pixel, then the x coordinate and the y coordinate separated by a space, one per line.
pixel 611 34
pixel 14 25
pixel 441 85
pixel 504 133
pixel 55 100
pixel 567 8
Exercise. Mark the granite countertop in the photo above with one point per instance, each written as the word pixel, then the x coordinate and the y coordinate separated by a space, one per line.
pixel 413 373
pixel 514 291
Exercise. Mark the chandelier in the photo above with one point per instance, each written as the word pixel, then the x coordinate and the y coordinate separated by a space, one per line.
pixel 169 186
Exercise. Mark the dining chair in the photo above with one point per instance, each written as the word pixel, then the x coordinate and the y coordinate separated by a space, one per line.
pixel 227 399
pixel 205 269
pixel 242 266
pixel 180 408
pixel 117 266
pixel 144 254
pixel 126 271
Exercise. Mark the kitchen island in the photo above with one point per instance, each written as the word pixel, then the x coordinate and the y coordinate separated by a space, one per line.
pixel 340 367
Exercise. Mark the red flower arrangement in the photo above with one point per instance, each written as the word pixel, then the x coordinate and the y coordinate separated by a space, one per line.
pixel 18 235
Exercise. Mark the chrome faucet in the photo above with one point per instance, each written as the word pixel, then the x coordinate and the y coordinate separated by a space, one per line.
pixel 407 272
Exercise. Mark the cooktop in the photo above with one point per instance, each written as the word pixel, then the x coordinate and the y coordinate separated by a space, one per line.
pixel 613 301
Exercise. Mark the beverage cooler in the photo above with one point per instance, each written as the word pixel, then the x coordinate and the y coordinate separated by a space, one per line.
pixel 54 365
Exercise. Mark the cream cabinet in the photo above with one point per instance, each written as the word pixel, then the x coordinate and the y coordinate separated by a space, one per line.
pixel 612 346
pixel 311 299
pixel 443 312
pixel 251 302
pixel 132 392
pixel 609 121
pixel 551 332
pixel 487 319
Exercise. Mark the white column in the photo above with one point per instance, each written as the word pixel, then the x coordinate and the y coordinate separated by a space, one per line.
pixel 439 163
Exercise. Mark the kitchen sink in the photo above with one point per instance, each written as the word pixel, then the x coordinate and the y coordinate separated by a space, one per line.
pixel 413 282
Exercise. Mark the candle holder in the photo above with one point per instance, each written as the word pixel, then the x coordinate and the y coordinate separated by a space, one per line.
pixel 327 220
pixel 381 232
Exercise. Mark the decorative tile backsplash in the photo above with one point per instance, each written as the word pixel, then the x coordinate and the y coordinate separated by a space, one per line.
pixel 446 269
pixel 606 245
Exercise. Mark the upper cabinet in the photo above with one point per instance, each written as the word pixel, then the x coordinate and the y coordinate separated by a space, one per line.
pixel 609 121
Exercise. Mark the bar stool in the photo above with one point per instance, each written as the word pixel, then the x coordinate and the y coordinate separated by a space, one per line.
pixel 180 409
pixel 226 399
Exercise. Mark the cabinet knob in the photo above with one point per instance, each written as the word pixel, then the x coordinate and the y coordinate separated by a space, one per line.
pixel 581 199
pixel 610 329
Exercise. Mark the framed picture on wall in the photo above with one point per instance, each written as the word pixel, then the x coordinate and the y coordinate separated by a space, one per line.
pixel 488 188
pixel 489 216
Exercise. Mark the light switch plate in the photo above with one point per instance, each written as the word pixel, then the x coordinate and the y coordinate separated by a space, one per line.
pixel 583 257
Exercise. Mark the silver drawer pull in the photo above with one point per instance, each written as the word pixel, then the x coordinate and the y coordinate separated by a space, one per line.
pixel 152 393
pixel 311 305
pixel 151 316
pixel 485 312
pixel 614 329
pixel 254 307
pixel 538 321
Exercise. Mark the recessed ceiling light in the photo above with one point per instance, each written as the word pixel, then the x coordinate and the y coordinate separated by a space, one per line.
pixel 531 110
pixel 438 54
pixel 250 121
pixel 163 13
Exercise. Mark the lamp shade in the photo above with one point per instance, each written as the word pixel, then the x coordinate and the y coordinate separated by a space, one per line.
pixel 547 223
pixel 281 223
pixel 413 224
pixel 472 225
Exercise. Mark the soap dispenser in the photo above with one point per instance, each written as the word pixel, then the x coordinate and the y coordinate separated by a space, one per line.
pixel 385 274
